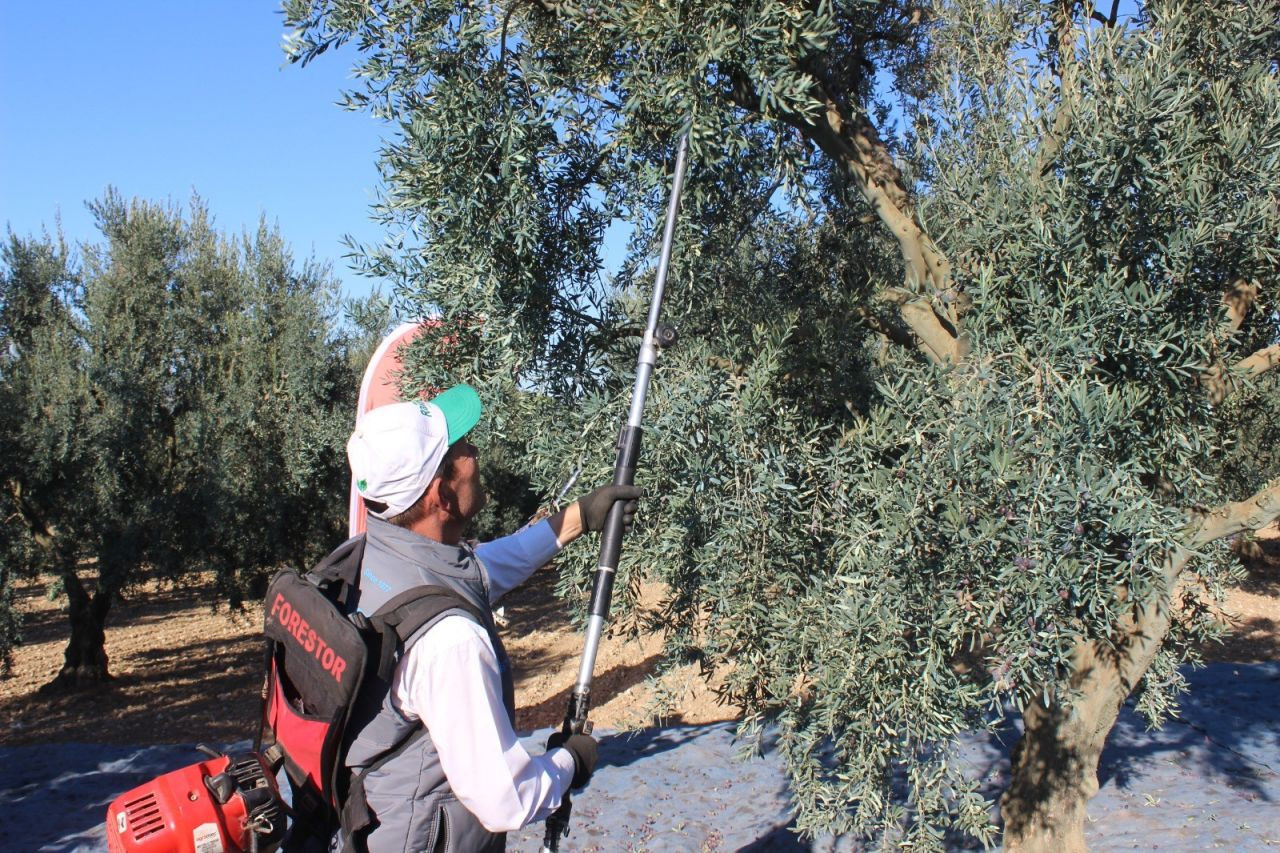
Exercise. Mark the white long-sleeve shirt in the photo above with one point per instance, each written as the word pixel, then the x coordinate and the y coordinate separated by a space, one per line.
pixel 450 680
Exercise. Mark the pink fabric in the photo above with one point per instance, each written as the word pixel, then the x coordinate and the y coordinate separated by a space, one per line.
pixel 301 737
pixel 379 387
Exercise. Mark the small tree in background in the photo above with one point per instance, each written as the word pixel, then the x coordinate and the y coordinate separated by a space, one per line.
pixel 177 401
pixel 957 420
pixel 41 389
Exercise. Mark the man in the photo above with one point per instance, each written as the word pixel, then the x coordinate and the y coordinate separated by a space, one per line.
pixel 456 777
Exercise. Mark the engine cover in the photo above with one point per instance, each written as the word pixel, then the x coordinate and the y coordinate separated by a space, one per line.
pixel 212 806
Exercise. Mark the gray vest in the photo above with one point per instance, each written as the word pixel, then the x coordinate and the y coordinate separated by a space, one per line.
pixel 414 807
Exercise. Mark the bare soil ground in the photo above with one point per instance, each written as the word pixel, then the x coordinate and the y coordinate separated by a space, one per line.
pixel 186 672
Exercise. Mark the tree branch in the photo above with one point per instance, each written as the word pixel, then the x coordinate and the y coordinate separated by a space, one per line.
pixel 855 143
pixel 1106 20
pixel 1063 62
pixel 564 307
pixel 1252 513
pixel 936 341
pixel 1260 362
pixel 42 531
pixel 502 53
pixel 877 324
pixel 1239 300
pixel 1217 379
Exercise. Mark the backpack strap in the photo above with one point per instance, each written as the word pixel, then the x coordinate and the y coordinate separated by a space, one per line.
pixel 335 577
pixel 356 818
pixel 395 624
pixel 341 567
pixel 404 615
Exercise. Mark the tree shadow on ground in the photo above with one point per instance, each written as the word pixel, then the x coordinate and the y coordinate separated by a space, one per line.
pixel 1228 736
pixel 1254 639
pixel 604 686
pixel 783 839
pixel 203 690
pixel 535 607
pixel 1253 636
pixel 146 602
pixel 1261 561
pixel 619 749
pixel 1228 728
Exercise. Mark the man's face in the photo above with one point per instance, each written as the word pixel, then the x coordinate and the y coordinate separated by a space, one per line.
pixel 464 478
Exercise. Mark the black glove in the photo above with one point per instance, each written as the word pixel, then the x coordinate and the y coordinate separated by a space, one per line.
pixel 595 506
pixel 584 752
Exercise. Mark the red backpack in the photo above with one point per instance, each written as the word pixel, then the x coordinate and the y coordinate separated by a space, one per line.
pixel 322 658
pixel 325 662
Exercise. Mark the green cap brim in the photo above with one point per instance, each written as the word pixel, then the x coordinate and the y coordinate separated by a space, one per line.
pixel 461 408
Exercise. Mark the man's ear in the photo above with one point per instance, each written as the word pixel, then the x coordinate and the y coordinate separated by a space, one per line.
pixel 442 497
pixel 439 497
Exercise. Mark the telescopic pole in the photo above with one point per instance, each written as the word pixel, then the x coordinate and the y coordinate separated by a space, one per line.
pixel 624 474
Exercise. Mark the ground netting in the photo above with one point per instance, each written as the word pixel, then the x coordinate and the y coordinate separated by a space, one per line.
pixel 1207 780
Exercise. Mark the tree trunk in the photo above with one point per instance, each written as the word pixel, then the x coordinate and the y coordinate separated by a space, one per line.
pixel 85 659
pixel 1055 765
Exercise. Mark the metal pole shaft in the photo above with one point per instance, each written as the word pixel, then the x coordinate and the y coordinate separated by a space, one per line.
pixel 623 475
pixel 628 453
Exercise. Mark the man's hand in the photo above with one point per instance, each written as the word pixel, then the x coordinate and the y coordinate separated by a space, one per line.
pixel 584 752
pixel 595 506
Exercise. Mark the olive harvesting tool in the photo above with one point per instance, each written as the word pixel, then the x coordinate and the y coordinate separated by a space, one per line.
pixel 656 336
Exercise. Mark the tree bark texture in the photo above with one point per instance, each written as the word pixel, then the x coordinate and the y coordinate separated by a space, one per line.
pixel 85 658
pixel 926 302
pixel 1219 378
pixel 1055 764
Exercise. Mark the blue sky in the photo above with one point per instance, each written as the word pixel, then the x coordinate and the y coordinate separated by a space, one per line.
pixel 163 98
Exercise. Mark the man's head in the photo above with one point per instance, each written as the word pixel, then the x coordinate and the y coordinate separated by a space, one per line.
pixel 406 455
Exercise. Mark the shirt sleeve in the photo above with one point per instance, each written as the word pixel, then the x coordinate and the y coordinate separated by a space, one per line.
pixel 509 561
pixel 450 680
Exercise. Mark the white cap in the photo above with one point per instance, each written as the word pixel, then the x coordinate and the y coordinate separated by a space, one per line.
pixel 394 453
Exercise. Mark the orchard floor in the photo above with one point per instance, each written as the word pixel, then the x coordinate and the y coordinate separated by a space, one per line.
pixel 189 674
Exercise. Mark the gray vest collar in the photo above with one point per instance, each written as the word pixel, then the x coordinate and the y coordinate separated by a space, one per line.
pixel 396 559
pixel 415 548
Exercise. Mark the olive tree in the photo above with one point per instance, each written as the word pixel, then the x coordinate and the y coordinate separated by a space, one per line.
pixel 175 401
pixel 40 392
pixel 977 312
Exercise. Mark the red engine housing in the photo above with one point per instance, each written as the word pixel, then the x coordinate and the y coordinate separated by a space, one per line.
pixel 212 806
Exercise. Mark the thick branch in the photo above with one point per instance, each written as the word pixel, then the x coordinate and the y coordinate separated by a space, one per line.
pixel 1147 625
pixel 855 143
pixel 1260 362
pixel 1216 378
pixel 1055 765
pixel 1252 513
pixel 1062 46
pixel 42 531
pixel 1107 20
pixel 877 324
pixel 935 339
pixel 1239 300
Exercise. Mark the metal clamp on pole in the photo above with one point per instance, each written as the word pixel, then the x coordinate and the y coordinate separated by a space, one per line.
pixel 655 336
